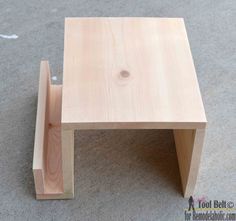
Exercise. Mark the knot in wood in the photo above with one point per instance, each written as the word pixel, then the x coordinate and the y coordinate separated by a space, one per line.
pixel 124 74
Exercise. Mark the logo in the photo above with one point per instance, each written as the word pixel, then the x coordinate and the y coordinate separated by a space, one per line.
pixel 191 203
pixel 207 209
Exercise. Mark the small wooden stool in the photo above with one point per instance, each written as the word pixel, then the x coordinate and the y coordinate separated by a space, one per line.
pixel 119 73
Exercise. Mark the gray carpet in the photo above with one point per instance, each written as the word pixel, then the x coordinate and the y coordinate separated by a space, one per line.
pixel 119 175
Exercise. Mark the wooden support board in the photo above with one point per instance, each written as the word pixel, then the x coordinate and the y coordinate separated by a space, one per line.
pixel 47 161
pixel 189 145
pixel 121 73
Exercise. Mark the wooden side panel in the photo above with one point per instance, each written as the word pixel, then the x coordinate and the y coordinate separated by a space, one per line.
pixel 41 130
pixel 47 161
pixel 189 145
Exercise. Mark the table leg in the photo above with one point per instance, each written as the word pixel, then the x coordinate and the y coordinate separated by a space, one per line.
pixel 67 137
pixel 189 145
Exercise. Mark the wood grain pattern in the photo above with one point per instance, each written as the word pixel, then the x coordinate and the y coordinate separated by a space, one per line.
pixel 122 73
pixel 68 161
pixel 40 130
pixel 119 73
pixel 189 145
pixel 53 152
pixel 47 161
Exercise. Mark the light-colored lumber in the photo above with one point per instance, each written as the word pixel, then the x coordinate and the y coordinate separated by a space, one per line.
pixel 124 73
pixel 119 73
pixel 189 145
pixel 40 130
pixel 133 73
pixel 68 161
pixel 47 161
pixel 53 154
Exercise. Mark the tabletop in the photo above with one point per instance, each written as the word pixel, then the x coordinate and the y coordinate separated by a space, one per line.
pixel 129 73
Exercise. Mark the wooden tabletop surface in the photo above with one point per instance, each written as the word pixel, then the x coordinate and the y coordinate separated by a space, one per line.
pixel 129 73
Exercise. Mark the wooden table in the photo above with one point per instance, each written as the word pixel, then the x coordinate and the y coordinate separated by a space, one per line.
pixel 119 73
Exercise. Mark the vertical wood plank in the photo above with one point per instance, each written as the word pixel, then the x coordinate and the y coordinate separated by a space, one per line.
pixel 68 161
pixel 41 128
pixel 189 145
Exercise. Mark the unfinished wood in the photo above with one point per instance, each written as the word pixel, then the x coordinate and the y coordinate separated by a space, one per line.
pixel 68 161
pixel 54 196
pixel 131 125
pixel 189 145
pixel 129 73
pixel 67 172
pixel 47 161
pixel 53 152
pixel 38 164
pixel 119 73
